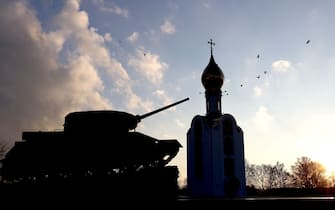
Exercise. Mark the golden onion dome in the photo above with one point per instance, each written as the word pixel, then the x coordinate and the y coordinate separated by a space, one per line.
pixel 212 77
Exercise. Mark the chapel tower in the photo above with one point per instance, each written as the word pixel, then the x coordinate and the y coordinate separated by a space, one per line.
pixel 215 147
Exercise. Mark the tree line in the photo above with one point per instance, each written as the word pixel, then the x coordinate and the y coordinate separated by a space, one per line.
pixel 304 174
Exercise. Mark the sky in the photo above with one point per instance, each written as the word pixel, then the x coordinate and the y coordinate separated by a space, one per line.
pixel 58 57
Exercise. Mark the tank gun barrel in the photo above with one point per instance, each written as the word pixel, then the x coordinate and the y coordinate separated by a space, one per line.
pixel 140 117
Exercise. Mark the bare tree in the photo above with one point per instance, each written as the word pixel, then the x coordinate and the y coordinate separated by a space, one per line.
pixel 308 174
pixel 331 180
pixel 249 173
pixel 278 176
pixel 266 176
pixel 256 176
pixel 3 148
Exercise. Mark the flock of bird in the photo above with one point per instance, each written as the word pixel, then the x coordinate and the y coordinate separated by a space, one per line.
pixel 225 92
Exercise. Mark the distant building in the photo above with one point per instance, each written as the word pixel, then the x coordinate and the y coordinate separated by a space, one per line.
pixel 215 147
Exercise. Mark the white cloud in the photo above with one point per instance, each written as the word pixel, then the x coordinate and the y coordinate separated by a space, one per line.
pixel 107 37
pixel 281 66
pixel 148 65
pixel 117 10
pixel 112 9
pixel 133 37
pixel 180 123
pixel 71 19
pixel 161 94
pixel 206 4
pixel 168 28
pixel 135 102
pixel 262 118
pixel 89 42
pixel 257 91
pixel 85 79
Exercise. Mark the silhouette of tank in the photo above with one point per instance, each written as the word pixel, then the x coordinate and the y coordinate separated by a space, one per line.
pixel 96 148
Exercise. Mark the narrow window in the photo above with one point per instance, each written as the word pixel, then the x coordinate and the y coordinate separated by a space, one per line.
pixel 228 145
pixel 227 127
pixel 228 166
pixel 198 148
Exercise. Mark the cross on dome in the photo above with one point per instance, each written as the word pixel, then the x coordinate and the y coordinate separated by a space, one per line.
pixel 211 43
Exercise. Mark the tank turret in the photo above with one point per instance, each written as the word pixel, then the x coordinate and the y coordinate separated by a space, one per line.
pixel 105 123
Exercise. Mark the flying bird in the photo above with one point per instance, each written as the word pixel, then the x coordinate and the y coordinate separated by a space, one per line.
pixel 241 85
pixel 258 56
pixel 307 42
pixel 259 76
pixel 265 72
